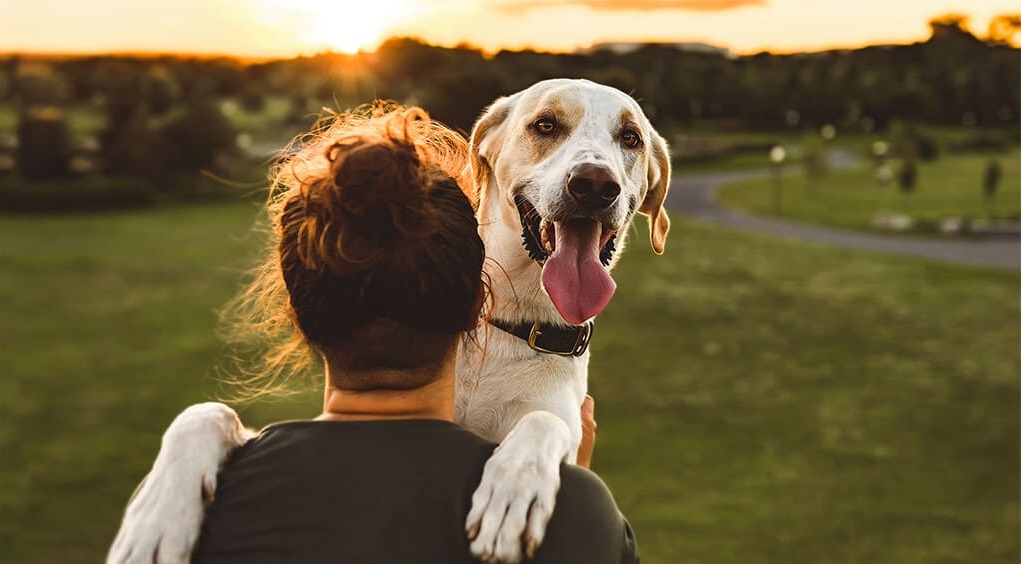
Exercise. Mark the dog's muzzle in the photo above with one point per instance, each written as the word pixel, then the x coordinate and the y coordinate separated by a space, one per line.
pixel 538 234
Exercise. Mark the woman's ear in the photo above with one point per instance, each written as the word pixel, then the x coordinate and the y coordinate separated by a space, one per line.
pixel 485 141
pixel 659 184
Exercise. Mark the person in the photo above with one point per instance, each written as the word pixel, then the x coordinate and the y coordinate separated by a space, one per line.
pixel 376 268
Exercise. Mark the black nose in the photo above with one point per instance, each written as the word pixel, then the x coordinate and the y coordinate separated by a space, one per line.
pixel 593 185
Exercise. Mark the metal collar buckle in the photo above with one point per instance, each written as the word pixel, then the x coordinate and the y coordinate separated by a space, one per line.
pixel 580 344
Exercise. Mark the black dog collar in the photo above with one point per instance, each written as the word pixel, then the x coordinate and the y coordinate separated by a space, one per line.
pixel 563 340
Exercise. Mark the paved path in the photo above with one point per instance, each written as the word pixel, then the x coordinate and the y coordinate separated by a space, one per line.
pixel 693 195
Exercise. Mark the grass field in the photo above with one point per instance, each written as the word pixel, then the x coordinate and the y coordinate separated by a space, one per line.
pixel 759 400
pixel 950 186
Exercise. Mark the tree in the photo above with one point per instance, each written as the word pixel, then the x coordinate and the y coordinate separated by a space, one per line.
pixel 476 86
pixel 138 150
pixel 159 90
pixel 907 176
pixel 813 159
pixel 1005 29
pixel 123 100
pixel 252 98
pixel 44 146
pixel 909 141
pixel 951 25
pixel 199 135
pixel 991 179
pixel 39 84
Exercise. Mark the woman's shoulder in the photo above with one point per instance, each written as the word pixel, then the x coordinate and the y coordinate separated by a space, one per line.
pixel 585 491
pixel 586 518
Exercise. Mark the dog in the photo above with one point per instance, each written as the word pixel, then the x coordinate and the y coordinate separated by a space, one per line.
pixel 560 170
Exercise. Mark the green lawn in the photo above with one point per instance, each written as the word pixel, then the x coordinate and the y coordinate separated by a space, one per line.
pixel 950 186
pixel 759 400
pixel 743 161
pixel 276 108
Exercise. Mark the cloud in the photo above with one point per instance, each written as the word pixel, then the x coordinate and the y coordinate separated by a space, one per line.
pixel 518 6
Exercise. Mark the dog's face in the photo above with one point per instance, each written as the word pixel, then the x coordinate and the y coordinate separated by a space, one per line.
pixel 574 161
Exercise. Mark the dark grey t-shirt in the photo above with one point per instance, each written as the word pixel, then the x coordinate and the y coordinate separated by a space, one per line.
pixel 383 492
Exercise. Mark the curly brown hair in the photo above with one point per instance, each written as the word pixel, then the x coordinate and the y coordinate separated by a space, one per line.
pixel 375 261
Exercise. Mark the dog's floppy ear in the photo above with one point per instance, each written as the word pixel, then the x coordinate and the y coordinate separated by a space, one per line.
pixel 485 141
pixel 659 183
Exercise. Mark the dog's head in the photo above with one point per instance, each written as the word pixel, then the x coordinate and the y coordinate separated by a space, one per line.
pixel 574 161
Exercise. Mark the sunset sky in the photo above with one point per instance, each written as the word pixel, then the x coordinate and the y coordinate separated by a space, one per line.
pixel 271 28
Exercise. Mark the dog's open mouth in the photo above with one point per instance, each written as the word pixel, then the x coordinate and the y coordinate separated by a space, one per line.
pixel 574 255
pixel 538 235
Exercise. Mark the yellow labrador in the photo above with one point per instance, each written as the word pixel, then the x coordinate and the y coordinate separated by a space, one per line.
pixel 561 169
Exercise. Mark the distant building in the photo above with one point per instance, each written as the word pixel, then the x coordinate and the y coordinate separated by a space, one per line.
pixel 625 47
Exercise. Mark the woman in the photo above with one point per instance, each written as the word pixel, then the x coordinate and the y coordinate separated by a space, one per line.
pixel 376 268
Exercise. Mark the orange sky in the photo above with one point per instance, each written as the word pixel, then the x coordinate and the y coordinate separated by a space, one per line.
pixel 290 27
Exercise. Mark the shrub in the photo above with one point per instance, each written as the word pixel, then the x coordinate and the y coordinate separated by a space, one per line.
pixel 160 90
pixel 979 142
pixel 44 145
pixel 20 194
pixel 991 179
pixel 928 150
pixel 252 99
pixel 910 142
pixel 814 159
pixel 137 149
pixel 38 84
pixel 199 135
pixel 907 176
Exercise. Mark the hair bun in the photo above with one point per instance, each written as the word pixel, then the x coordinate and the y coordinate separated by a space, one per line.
pixel 372 201
pixel 379 188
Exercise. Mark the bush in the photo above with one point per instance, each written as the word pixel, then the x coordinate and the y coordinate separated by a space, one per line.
pixel 198 136
pixel 137 150
pixel 44 145
pixel 991 179
pixel 41 85
pixel 160 90
pixel 189 141
pixel 927 148
pixel 907 176
pixel 815 160
pixel 476 87
pixel 910 142
pixel 982 141
pixel 19 194
pixel 252 99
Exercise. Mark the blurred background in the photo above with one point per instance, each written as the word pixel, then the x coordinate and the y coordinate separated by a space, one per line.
pixel 823 367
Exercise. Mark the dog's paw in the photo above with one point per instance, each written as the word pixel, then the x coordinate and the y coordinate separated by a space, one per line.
pixel 515 499
pixel 148 537
pixel 164 518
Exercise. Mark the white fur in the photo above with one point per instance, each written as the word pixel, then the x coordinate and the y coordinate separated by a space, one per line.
pixel 164 517
pixel 506 392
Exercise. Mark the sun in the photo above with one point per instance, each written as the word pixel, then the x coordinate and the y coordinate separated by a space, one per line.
pixel 347 26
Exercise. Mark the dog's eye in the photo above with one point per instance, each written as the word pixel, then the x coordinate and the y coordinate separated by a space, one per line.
pixel 630 138
pixel 545 126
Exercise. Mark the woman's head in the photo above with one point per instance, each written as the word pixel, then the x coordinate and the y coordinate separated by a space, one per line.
pixel 377 261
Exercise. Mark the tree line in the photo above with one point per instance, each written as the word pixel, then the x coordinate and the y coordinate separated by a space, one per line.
pixel 952 78
pixel 162 114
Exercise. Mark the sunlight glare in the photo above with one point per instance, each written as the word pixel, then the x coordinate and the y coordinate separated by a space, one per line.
pixel 344 26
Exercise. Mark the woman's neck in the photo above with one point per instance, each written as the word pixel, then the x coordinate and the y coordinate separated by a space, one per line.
pixel 435 400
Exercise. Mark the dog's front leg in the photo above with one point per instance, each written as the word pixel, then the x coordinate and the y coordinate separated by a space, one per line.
pixel 164 517
pixel 515 498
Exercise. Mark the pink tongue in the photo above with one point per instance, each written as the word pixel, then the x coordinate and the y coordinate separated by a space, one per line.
pixel 575 280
